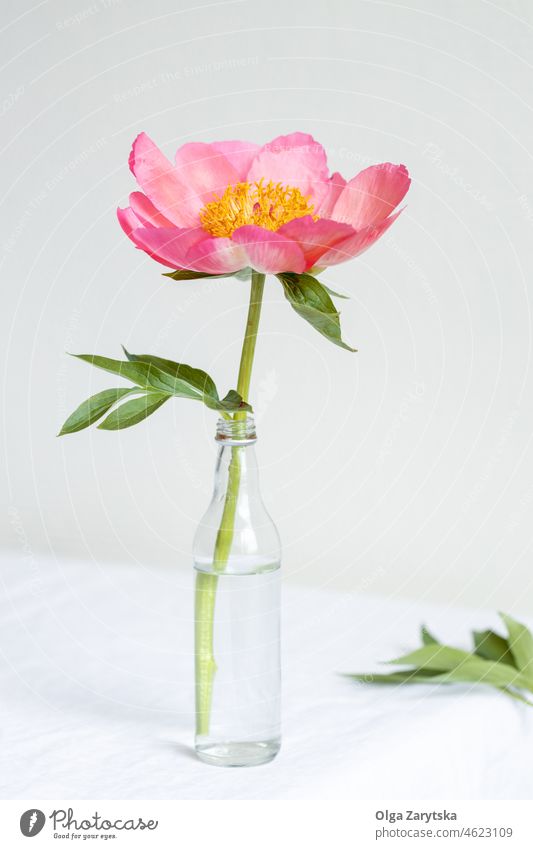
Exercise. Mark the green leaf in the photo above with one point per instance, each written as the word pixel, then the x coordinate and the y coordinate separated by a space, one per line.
pixel 184 376
pixel 186 274
pixel 516 696
pixel 134 411
pixel 137 372
pixel 427 638
pixel 189 382
pixel 503 664
pixel 433 656
pixel 335 294
pixel 421 676
pixel 310 299
pixel 427 676
pixel 463 666
pixel 495 674
pixel 404 677
pixel 232 402
pixel 93 409
pixel 520 645
pixel 160 376
pixel 491 646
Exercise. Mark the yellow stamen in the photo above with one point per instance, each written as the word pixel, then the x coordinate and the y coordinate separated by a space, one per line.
pixel 268 206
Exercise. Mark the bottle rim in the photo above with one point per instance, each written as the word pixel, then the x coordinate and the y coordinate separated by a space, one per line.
pixel 236 431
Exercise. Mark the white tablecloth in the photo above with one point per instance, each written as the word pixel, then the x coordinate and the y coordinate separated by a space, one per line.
pixel 97 697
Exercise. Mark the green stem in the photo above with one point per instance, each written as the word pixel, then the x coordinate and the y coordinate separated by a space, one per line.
pixel 225 532
pixel 206 583
pixel 250 337
pixel 205 666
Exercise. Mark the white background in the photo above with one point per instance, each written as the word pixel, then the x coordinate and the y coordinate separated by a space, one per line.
pixel 406 468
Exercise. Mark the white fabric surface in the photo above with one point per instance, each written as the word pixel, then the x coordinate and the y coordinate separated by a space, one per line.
pixel 97 697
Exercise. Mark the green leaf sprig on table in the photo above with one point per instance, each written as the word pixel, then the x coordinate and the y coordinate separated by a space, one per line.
pixel 502 662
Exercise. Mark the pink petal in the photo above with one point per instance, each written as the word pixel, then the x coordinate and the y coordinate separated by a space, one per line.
pixel 294 160
pixel 169 244
pixel 216 256
pixel 334 187
pixel 131 226
pixel 371 196
pixel 148 214
pixel 269 252
pixel 205 171
pixel 357 243
pixel 128 220
pixel 315 237
pixel 159 180
pixel 239 154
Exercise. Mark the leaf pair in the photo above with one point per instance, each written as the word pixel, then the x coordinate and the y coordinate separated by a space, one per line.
pixel 502 662
pixel 155 381
pixel 307 296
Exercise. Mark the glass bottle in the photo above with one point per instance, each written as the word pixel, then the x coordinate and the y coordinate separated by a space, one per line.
pixel 237 557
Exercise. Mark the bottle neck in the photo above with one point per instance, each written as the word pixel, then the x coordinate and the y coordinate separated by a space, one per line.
pixel 236 462
pixel 236 534
pixel 236 431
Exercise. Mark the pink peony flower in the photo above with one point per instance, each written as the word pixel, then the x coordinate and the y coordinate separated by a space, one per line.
pixel 230 205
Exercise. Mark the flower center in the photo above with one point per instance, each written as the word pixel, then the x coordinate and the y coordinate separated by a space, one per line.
pixel 268 205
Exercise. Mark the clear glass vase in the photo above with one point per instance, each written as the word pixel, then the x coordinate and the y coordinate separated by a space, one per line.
pixel 237 611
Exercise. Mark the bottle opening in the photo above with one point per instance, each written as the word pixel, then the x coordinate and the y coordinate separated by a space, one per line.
pixel 236 430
